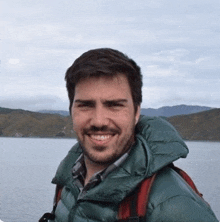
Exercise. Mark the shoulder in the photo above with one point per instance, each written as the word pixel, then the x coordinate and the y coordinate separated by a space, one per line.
pixel 172 199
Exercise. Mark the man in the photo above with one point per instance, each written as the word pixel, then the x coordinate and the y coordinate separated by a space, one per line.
pixel 117 149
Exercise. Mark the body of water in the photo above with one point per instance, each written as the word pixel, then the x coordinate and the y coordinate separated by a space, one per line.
pixel 28 165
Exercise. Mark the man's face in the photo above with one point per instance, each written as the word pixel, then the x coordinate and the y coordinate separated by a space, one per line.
pixel 104 118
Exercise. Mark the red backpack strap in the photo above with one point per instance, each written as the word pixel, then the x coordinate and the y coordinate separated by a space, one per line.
pixel 57 196
pixel 187 178
pixel 134 207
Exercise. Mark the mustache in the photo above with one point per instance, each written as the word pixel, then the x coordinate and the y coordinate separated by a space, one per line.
pixel 106 129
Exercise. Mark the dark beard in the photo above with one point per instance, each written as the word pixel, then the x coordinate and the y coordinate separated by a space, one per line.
pixel 111 159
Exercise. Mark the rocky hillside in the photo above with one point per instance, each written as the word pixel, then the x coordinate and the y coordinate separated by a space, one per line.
pixel 21 123
pixel 199 126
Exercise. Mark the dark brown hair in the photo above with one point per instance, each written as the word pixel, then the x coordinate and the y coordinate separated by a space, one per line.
pixel 104 62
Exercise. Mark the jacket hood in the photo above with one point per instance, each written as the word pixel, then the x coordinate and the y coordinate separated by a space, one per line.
pixel 161 141
pixel 157 145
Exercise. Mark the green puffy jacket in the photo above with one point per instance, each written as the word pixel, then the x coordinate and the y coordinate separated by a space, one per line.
pixel 171 199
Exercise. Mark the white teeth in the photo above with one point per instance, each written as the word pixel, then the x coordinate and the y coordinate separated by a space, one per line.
pixel 100 137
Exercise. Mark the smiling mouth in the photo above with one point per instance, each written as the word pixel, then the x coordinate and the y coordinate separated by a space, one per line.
pixel 101 137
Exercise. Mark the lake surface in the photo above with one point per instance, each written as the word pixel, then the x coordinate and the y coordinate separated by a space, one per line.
pixel 28 165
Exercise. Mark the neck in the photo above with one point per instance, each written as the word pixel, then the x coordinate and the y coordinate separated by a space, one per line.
pixel 92 168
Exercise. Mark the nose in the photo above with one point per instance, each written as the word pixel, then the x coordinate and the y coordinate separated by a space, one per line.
pixel 99 117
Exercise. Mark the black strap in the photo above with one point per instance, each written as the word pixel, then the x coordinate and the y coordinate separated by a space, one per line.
pixel 51 216
pixel 133 204
pixel 46 217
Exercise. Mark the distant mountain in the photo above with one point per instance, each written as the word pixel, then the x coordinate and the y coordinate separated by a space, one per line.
pixel 20 123
pixel 60 112
pixel 198 126
pixel 165 111
pixel 168 111
pixel 7 110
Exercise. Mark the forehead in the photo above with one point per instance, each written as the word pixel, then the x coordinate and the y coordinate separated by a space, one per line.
pixel 103 87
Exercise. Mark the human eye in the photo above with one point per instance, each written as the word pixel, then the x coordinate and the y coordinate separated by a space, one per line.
pixel 85 105
pixel 82 105
pixel 118 105
pixel 115 104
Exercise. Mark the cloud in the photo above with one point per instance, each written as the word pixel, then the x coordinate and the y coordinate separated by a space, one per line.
pixel 35 103
pixel 14 61
pixel 155 72
pixel 187 91
pixel 176 44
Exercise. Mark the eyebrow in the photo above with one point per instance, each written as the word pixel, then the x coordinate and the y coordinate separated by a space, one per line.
pixel 116 101
pixel 84 101
pixel 105 101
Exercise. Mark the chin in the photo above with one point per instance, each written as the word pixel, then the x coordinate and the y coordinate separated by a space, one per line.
pixel 102 159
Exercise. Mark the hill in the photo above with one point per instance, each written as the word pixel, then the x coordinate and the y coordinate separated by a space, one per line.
pixel 199 126
pixel 166 111
pixel 20 123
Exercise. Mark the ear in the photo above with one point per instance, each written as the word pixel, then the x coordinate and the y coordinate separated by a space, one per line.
pixel 137 114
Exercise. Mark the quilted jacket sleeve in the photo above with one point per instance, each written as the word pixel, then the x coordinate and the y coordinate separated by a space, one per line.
pixel 181 209
pixel 173 200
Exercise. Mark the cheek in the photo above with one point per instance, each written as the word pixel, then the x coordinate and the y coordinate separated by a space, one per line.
pixel 76 123
pixel 79 121
pixel 127 122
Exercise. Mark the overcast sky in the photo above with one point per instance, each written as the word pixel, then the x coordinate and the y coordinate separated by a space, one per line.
pixel 176 43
